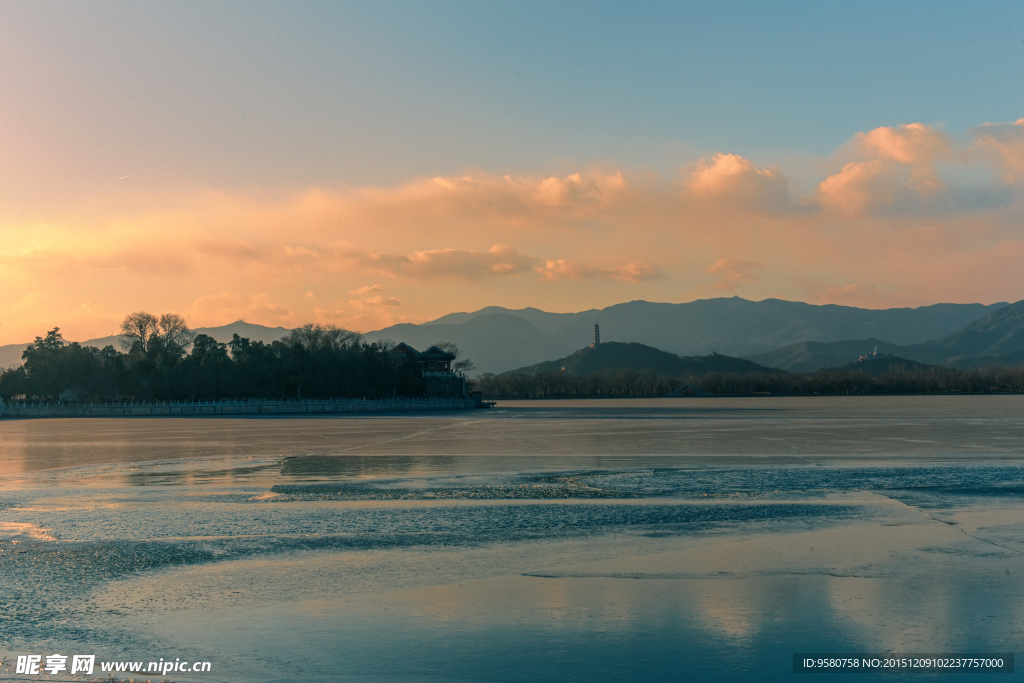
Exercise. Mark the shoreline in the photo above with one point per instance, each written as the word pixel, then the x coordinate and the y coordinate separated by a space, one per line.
pixel 242 408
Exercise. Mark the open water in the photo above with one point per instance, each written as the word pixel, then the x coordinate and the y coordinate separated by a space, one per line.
pixel 590 541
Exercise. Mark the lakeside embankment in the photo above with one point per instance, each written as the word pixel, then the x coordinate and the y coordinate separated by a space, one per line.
pixel 232 408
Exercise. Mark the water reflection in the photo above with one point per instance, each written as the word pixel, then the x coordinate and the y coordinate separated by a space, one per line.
pixel 354 466
pixel 599 629
pixel 776 427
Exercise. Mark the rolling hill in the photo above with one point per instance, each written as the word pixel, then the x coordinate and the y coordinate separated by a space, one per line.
pixel 809 356
pixel 615 356
pixel 880 364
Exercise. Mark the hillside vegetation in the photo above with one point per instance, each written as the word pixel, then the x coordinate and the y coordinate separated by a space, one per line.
pixel 614 369
pixel 612 356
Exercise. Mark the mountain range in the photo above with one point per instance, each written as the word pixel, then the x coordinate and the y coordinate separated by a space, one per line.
pixel 997 337
pixel 789 335
pixel 499 339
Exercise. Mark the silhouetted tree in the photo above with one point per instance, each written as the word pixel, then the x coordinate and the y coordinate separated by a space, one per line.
pixel 138 329
pixel 460 364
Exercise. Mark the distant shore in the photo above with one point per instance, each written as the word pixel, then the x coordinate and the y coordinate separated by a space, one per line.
pixel 242 408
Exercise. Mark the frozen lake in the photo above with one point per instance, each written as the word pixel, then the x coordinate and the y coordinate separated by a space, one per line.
pixel 543 541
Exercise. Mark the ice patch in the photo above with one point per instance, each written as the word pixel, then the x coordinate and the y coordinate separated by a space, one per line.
pixel 699 483
pixel 15 531
pixel 546 486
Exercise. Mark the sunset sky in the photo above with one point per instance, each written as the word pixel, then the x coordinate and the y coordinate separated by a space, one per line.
pixel 368 163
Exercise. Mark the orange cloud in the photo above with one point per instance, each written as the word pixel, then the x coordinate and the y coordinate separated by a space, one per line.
pixel 499 260
pixel 637 271
pixel 881 187
pixel 376 302
pixel 566 269
pixel 464 264
pixel 897 177
pixel 223 307
pixel 368 289
pixel 729 179
pixel 914 211
pixel 734 272
pixel 861 187
pixel 911 143
pixel 573 191
pixel 507 199
pixel 903 172
pixel 97 256
pixel 328 316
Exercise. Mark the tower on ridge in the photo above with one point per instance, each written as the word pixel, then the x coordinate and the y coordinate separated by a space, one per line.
pixel 597 334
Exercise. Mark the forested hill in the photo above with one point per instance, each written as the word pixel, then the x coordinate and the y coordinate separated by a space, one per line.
pixel 615 369
pixel 878 365
pixel 616 356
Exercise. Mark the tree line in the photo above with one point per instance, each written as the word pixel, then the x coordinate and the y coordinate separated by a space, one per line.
pixel 634 384
pixel 162 359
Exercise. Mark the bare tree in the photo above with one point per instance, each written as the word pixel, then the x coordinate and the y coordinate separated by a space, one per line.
pixel 174 333
pixel 316 338
pixel 460 364
pixel 139 328
pixel 146 331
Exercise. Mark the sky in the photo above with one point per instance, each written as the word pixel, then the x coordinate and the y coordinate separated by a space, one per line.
pixel 369 163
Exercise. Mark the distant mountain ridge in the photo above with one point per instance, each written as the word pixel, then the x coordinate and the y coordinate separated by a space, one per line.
pixel 999 334
pixel 499 339
pixel 995 338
